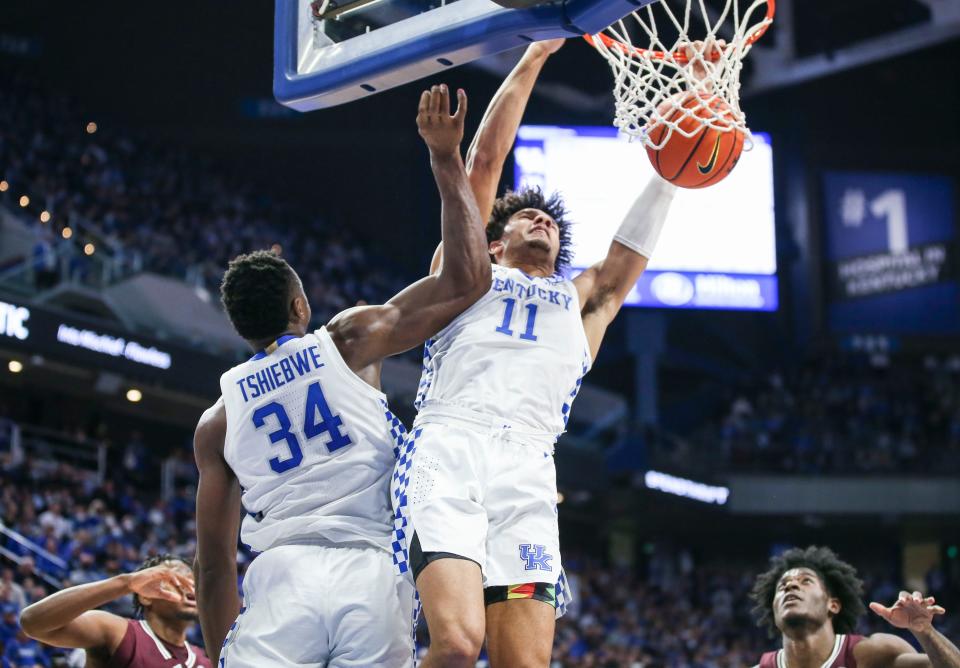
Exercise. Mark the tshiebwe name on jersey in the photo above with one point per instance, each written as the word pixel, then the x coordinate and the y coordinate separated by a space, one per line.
pixel 528 291
pixel 280 373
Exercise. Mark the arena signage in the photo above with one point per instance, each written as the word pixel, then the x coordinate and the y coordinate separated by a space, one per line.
pixel 85 342
pixel 115 346
pixel 890 272
pixel 699 290
pixel 13 321
pixel 891 251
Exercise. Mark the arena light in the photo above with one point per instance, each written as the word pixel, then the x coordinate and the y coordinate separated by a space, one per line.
pixel 134 395
pixel 4 186
pixel 559 497
pixel 44 216
pixel 91 127
pixel 15 366
pixel 689 489
pixel 24 201
pixel 89 249
pixel 67 233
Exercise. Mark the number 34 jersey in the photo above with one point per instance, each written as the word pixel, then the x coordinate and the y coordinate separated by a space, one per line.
pixel 518 354
pixel 312 445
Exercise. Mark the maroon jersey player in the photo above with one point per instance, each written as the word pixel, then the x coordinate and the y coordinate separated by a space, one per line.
pixel 162 590
pixel 812 599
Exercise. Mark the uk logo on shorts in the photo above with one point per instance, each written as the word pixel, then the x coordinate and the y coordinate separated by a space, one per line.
pixel 535 557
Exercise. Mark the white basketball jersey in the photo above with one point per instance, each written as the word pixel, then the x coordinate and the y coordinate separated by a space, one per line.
pixel 312 445
pixel 518 354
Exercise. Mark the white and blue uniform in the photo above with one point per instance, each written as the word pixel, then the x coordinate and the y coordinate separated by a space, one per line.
pixel 477 477
pixel 313 447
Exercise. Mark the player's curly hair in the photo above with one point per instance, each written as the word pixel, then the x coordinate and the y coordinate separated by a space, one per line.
pixel 256 294
pixel 150 563
pixel 838 577
pixel 532 198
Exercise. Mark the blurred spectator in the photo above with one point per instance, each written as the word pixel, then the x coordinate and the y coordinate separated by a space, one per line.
pixel 673 611
pixel 840 414
pixel 148 207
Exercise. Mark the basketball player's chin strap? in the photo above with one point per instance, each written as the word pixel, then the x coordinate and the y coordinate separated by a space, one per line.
pixel 641 227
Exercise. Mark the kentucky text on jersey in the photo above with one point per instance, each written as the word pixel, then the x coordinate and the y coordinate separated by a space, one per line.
pixel 528 290
pixel 280 373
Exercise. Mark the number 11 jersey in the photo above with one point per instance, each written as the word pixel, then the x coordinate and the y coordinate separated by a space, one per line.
pixel 312 445
pixel 519 354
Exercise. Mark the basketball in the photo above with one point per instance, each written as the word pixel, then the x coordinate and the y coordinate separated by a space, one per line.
pixel 708 155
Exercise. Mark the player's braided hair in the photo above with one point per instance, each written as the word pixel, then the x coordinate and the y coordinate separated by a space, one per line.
pixel 838 577
pixel 150 563
pixel 532 198
pixel 256 294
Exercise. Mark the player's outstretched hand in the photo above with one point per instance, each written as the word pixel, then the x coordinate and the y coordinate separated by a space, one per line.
pixel 160 582
pixel 441 131
pixel 911 611
pixel 701 55
pixel 547 46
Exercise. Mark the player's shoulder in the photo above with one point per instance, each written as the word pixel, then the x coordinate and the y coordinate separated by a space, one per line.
pixel 113 631
pixel 215 413
pixel 211 428
pixel 879 649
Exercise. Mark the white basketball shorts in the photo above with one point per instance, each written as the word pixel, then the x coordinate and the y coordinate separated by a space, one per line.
pixel 484 492
pixel 318 606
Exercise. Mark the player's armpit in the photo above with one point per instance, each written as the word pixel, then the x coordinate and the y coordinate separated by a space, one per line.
pixel 884 650
pixel 218 524
pixel 604 287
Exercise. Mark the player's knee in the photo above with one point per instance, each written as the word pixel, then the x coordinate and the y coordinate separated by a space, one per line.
pixel 532 658
pixel 457 644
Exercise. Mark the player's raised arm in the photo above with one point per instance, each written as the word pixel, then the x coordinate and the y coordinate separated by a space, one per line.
pixel 218 525
pixel 498 129
pixel 69 618
pixel 604 286
pixel 366 334
pixel 915 613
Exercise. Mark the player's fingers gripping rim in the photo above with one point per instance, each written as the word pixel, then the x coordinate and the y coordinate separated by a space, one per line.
pixel 424 106
pixel 461 107
pixel 444 102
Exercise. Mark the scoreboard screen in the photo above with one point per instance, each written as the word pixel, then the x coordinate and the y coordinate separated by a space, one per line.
pixel 718 246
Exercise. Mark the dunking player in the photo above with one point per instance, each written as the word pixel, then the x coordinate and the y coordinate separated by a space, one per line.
pixel 303 436
pixel 475 491
pixel 812 599
pixel 163 595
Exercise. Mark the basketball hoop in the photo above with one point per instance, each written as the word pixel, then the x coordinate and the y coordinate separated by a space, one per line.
pixel 654 86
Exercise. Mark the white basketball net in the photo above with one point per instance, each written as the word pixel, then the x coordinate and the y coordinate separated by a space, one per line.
pixel 655 84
